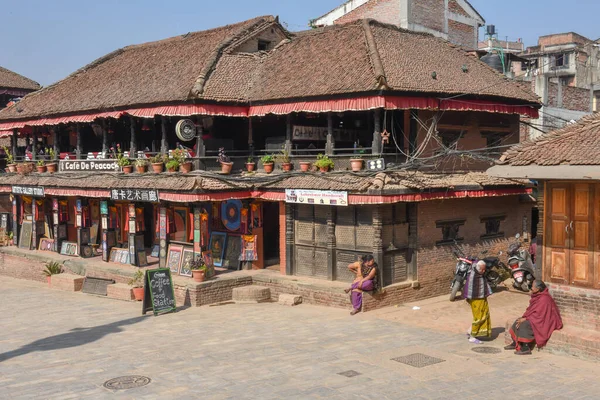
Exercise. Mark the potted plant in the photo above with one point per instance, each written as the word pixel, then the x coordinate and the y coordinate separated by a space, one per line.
pixel 225 161
pixel 324 163
pixel 52 165
pixel 356 163
pixel 10 162
pixel 41 166
pixel 268 161
pixel 284 158
pixel 184 165
pixel 122 161
pixel 158 163
pixel 137 284
pixel 198 268
pixel 141 165
pixel 11 238
pixel 250 164
pixel 52 268
pixel 305 166
pixel 172 165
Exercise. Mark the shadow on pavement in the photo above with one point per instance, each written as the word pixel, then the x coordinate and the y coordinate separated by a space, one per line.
pixel 75 337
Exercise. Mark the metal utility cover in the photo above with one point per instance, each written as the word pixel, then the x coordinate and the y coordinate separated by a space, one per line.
pixel 418 360
pixel 127 382
pixel 486 350
pixel 349 373
pixel 96 285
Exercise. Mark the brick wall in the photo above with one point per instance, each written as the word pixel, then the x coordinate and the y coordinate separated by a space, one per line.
pixel 579 308
pixel 429 13
pixel 454 7
pixel 461 34
pixel 573 98
pixel 386 11
pixel 20 268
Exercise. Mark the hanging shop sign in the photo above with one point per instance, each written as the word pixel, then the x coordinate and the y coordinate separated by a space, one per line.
pixel 87 165
pixel 319 133
pixel 35 191
pixel 319 197
pixel 146 195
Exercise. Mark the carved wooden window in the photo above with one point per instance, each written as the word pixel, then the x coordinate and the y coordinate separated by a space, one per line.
pixel 354 228
pixel 311 225
pixel 492 226
pixel 450 231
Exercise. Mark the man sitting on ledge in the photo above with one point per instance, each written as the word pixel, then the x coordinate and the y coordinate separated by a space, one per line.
pixel 537 323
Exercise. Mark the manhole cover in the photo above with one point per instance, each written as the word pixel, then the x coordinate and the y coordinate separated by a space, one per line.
pixel 349 374
pixel 96 285
pixel 418 360
pixel 486 350
pixel 126 382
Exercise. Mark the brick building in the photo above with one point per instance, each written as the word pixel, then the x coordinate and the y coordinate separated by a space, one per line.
pixel 425 130
pixel 454 20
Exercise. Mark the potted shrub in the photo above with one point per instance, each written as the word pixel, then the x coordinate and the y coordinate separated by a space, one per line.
pixel 158 163
pixel 10 162
pixel 52 268
pixel 268 161
pixel 324 163
pixel 10 238
pixel 41 166
pixel 198 268
pixel 137 284
pixel 122 161
pixel 305 166
pixel 141 165
pixel 52 165
pixel 172 165
pixel 225 161
pixel 284 158
pixel 250 164
pixel 356 163
pixel 184 165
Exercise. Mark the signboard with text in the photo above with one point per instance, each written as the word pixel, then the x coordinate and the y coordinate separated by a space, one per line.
pixel 319 133
pixel 88 165
pixel 145 195
pixel 34 191
pixel 318 197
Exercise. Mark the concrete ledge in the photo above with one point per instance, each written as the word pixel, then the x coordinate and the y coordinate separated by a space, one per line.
pixel 67 282
pixel 251 294
pixel 289 299
pixel 119 291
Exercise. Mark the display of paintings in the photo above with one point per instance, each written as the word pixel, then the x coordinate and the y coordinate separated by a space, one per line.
pixel 155 250
pixel 26 233
pixel 174 258
pixel 78 205
pixel 249 252
pixel 104 207
pixel 181 222
pixel 94 233
pixel 62 231
pixel 104 222
pixel 186 258
pixel 69 249
pixel 119 255
pixel 231 213
pixel 55 218
pixel 233 251
pixel 132 226
pixel 46 244
pixel 124 256
pixel 142 259
pixel 217 247
pixel 113 255
pixel 78 220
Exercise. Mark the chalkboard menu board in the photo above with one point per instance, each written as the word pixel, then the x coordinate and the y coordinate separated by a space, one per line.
pixel 233 250
pixel 159 295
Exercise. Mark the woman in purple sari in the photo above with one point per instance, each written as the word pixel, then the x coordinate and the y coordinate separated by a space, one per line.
pixel 366 280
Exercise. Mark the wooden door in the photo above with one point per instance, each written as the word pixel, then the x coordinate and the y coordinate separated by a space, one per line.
pixel 557 240
pixel 580 232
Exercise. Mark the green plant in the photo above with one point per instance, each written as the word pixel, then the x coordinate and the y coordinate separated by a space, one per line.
pixel 283 156
pixel 157 159
pixel 41 163
pixel 267 159
pixel 179 155
pixel 141 162
pixel 250 160
pixel 172 164
pixel 323 161
pixel 138 279
pixel 50 151
pixel 122 161
pixel 9 156
pixel 53 268
pixel 198 265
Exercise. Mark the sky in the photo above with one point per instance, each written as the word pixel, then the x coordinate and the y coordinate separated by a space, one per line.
pixel 47 40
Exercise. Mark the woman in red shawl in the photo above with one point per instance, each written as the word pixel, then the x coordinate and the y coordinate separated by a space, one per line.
pixel 537 324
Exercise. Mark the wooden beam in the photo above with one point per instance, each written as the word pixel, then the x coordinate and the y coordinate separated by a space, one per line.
pixel 79 150
pixel 132 141
pixel 164 147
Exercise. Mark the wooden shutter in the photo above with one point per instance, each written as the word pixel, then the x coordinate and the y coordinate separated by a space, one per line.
pixel 557 244
pixel 304 225
pixel 580 234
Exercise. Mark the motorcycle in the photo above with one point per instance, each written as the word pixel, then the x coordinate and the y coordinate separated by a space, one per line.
pixel 521 266
pixel 465 264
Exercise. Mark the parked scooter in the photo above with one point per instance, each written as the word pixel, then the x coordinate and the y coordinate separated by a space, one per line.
pixel 465 264
pixel 521 266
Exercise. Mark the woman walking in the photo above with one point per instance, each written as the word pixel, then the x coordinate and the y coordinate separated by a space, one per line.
pixel 476 292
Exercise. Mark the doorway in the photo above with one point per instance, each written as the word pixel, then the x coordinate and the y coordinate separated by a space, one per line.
pixel 271 233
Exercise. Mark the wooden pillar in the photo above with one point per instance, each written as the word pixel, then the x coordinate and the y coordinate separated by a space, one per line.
pixel 329 146
pixel 14 139
pixel 34 217
pixel 331 243
pixel 162 236
pixel 16 211
pixel 55 139
pixel 164 147
pixel 378 241
pixel 288 133
pixel 79 149
pixel 34 146
pixel 289 239
pixel 250 137
pixel 132 232
pixel 104 138
pixel 104 226
pixel 55 222
pixel 413 240
pixel 132 142
pixel 197 238
pixel 376 145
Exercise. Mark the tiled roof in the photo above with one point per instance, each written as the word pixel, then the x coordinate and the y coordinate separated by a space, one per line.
pixel 9 79
pixel 577 144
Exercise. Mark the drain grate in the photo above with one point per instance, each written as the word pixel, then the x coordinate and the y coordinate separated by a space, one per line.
pixel 349 374
pixel 418 360
pixel 96 285
pixel 126 382
pixel 486 350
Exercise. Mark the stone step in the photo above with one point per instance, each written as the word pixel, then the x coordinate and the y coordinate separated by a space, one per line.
pixel 251 294
pixel 67 282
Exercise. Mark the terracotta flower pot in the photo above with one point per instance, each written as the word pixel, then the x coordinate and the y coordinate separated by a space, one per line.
pixel 157 167
pixel 19 168
pixel 127 169
pixel 305 166
pixel 250 166
pixel 28 168
pixel 186 167
pixel 226 167
pixel 52 167
pixel 268 167
pixel 142 169
pixel 287 167
pixel 138 293
pixel 12 167
pixel 324 169
pixel 356 164
pixel 42 168
pixel 198 275
pixel 171 170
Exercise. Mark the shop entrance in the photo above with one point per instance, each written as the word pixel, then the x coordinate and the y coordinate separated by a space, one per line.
pixel 271 233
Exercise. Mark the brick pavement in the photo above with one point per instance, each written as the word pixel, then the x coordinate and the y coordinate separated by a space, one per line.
pixel 59 345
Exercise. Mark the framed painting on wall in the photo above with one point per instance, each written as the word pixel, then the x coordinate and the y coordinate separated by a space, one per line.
pixel 217 247
pixel 187 257
pixel 174 258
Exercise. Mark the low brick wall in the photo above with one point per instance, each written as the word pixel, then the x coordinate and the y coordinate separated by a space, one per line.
pixel 67 282
pixel 579 308
pixel 21 268
pixel 119 291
